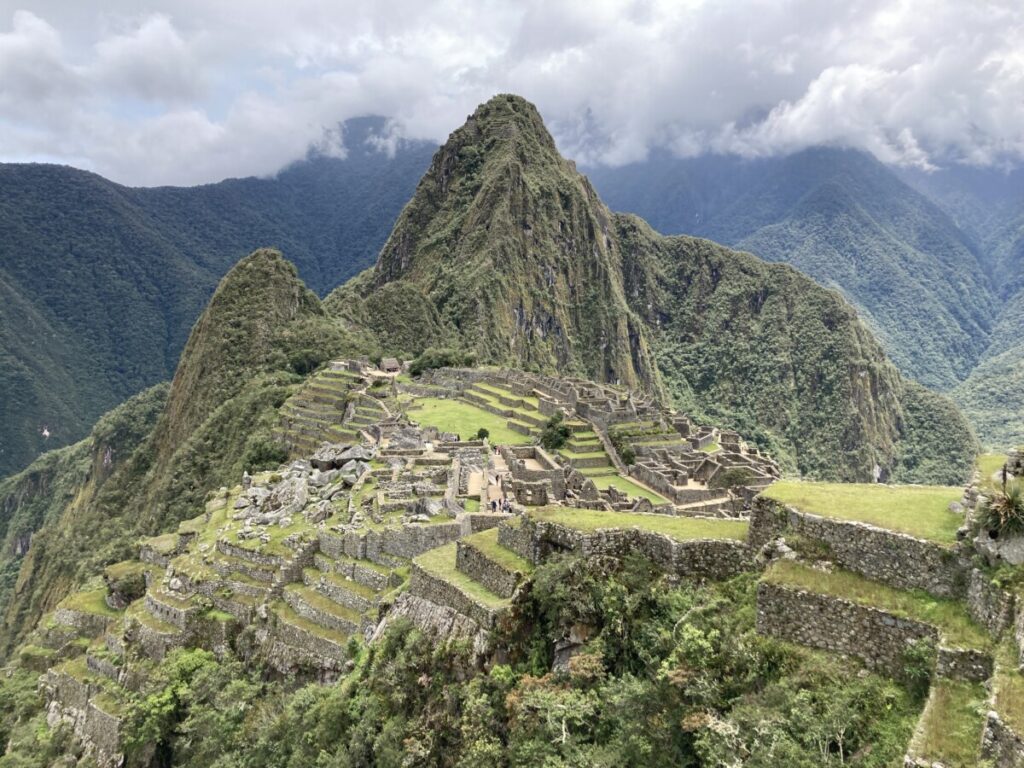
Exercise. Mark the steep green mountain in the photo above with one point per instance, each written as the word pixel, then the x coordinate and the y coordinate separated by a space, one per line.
pixel 262 328
pixel 63 481
pixel 507 252
pixel 847 221
pixel 101 283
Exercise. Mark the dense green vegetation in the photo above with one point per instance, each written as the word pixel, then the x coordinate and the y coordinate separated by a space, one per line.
pixel 238 367
pixel 934 267
pixel 761 348
pixel 846 220
pixel 100 284
pixel 670 675
pixel 64 481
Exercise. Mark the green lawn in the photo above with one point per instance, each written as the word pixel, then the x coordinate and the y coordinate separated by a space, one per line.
pixel 626 485
pixel 487 543
pixel 919 510
pixel 678 527
pixel 464 419
pixel 950 731
pixel 92 601
pixel 1009 687
pixel 440 562
pixel 950 616
pixel 988 465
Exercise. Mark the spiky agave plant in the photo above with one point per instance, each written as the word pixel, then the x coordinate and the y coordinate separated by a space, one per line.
pixel 1004 512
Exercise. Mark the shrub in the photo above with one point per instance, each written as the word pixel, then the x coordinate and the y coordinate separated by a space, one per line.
pixel 918 665
pixel 624 449
pixel 263 453
pixel 555 433
pixel 434 357
pixel 1004 512
pixel 483 433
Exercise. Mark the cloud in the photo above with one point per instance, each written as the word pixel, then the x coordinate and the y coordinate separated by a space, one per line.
pixel 193 91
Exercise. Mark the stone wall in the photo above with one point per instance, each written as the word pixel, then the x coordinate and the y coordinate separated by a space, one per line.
pixel 329 653
pixel 1001 744
pixel 989 605
pixel 88 624
pixel 69 699
pixel 518 538
pixel 877 638
pixel 702 558
pixel 427 586
pixel 963 664
pixel 895 559
pixel 480 568
pixel 405 541
pixel 440 620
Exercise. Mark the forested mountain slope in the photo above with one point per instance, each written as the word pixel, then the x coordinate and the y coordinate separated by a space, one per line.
pixel 101 283
pixel 847 221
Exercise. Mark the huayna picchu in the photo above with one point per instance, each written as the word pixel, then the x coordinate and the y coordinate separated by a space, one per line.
pixel 542 487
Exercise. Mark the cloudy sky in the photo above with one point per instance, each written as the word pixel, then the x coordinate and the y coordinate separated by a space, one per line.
pixel 193 91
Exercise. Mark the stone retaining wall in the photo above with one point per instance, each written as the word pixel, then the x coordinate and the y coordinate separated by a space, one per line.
pixel 328 620
pixel 877 638
pixel 963 664
pixel 88 624
pixel 441 592
pixel 702 558
pixel 156 644
pixel 100 732
pixel 1001 744
pixel 516 537
pixel 440 620
pixel 260 558
pixel 406 541
pixel 328 652
pixel 895 559
pixel 472 562
pixel 989 605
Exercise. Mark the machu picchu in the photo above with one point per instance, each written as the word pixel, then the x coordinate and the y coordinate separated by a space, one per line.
pixel 538 486
pixel 392 508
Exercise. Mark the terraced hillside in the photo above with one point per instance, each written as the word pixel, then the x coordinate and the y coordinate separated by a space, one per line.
pixel 886 575
pixel 402 513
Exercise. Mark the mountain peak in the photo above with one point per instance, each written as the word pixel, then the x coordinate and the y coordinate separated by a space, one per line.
pixel 514 252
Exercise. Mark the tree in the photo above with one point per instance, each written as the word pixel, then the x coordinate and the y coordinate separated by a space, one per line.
pixel 555 433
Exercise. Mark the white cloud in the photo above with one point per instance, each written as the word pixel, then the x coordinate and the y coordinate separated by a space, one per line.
pixel 194 91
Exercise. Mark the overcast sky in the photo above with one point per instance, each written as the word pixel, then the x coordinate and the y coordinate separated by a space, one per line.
pixel 197 90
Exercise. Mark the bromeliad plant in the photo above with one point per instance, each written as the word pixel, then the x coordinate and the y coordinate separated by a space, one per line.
pixel 1004 512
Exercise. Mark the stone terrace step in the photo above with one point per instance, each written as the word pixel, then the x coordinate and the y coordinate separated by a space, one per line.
pixel 369 574
pixel 299 632
pixel 484 560
pixel 313 606
pixel 345 592
pixel 434 577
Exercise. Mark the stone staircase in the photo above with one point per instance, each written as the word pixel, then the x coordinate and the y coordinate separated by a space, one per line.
pixel 316 412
